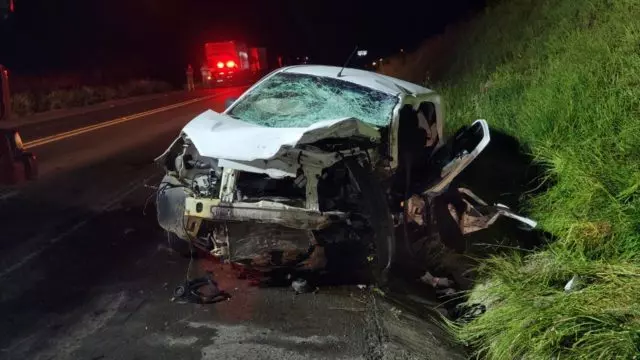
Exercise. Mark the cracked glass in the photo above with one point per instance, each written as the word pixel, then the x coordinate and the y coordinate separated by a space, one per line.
pixel 299 100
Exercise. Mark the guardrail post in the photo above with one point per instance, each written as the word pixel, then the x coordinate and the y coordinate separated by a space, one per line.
pixel 5 95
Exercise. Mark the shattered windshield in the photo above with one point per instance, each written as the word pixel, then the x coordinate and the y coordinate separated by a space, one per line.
pixel 299 100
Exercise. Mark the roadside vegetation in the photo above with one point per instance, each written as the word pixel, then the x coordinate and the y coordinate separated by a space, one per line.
pixel 563 77
pixel 30 102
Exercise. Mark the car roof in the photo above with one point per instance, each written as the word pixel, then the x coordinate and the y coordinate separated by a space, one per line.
pixel 364 78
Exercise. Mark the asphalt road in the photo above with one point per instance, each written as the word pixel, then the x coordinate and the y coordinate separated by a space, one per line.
pixel 85 272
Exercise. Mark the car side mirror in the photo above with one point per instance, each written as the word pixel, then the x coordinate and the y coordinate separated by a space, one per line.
pixel 229 101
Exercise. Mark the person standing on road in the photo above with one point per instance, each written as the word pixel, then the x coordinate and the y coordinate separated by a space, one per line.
pixel 190 85
pixel 206 75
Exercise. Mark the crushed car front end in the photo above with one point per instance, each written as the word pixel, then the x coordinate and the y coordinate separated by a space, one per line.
pixel 308 157
pixel 272 184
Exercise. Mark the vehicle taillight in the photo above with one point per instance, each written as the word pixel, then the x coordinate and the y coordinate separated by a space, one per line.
pixel 220 64
pixel 231 63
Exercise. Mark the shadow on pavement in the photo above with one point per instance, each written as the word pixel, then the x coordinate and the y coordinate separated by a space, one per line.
pixel 66 277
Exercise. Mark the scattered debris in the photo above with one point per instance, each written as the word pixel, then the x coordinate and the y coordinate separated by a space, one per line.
pixel 446 292
pixel 572 284
pixel 300 286
pixel 316 260
pixel 396 312
pixel 379 292
pixel 415 209
pixel 434 281
pixel 191 292
pixel 473 214
pixel 465 313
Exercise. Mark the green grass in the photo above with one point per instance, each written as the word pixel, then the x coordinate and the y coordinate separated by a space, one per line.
pixel 562 76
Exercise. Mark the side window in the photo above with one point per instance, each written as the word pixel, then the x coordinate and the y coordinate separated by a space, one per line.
pixel 418 131
pixel 411 135
pixel 427 120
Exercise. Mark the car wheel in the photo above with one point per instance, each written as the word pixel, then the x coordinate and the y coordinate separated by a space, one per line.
pixel 373 206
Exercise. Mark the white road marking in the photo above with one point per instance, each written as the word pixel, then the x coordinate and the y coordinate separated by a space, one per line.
pixel 86 129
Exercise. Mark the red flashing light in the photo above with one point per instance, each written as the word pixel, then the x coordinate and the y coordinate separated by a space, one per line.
pixel 231 64
pixel 12 6
pixel 220 64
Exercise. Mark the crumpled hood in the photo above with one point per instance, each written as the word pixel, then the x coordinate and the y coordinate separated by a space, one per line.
pixel 220 136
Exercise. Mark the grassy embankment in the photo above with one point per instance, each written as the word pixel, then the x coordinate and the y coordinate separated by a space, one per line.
pixel 562 76
pixel 29 102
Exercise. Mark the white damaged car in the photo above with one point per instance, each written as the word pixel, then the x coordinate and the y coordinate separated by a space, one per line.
pixel 312 156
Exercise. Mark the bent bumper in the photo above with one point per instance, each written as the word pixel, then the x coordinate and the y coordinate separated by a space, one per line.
pixel 267 212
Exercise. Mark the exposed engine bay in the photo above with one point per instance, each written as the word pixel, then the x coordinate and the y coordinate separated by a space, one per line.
pixel 276 216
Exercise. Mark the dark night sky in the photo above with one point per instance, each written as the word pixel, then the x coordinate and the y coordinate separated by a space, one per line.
pixel 62 35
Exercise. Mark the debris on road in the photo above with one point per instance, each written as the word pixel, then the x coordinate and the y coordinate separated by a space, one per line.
pixel 300 286
pixel 434 281
pixel 192 291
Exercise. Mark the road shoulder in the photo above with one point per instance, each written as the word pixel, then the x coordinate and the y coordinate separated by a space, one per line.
pixel 64 113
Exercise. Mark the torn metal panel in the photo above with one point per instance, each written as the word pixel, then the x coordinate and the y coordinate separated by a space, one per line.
pixel 416 209
pixel 262 212
pixel 312 175
pixel 170 202
pixel 260 167
pixel 228 186
pixel 267 244
pixel 461 160
pixel 477 215
pixel 223 137
pixel 288 161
